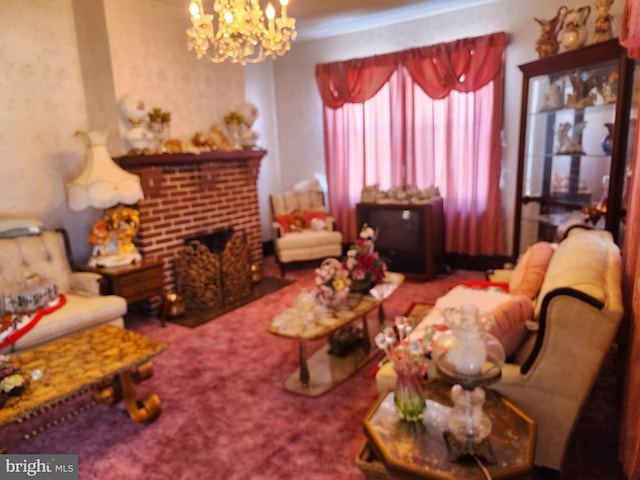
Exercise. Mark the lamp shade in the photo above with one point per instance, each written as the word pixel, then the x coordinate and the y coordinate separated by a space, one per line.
pixel 102 183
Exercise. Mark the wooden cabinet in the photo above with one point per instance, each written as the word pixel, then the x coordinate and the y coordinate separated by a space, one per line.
pixel 410 236
pixel 576 131
pixel 142 281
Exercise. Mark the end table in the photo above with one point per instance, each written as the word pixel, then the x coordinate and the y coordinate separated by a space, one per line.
pixel 400 449
pixel 137 282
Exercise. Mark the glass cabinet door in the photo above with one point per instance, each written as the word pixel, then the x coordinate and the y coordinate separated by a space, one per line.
pixel 573 153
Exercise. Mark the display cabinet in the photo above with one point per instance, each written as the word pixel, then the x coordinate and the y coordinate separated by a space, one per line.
pixel 577 126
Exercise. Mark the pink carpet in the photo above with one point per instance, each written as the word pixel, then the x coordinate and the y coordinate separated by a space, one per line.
pixel 225 413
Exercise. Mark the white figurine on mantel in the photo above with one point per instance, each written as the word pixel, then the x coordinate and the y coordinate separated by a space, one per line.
pixel 239 122
pixel 248 136
pixel 134 110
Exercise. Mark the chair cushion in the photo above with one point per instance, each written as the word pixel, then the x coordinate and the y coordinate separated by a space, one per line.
pixel 529 272
pixel 308 239
pixel 289 201
pixel 43 255
pixel 80 312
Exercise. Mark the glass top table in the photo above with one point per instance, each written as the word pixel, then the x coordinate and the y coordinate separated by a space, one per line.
pixel 419 449
pixel 323 371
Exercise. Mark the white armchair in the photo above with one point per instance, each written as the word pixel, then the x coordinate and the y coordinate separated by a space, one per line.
pixel 303 229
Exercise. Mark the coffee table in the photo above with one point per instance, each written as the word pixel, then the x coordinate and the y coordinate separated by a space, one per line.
pixel 323 371
pixel 399 449
pixel 107 360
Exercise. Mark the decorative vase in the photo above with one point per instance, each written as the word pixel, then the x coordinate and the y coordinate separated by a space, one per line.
pixel 409 396
pixel 574 27
pixel 607 141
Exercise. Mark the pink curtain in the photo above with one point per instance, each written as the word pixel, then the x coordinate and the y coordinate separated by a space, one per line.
pixel 353 81
pixel 464 65
pixel 629 451
pixel 434 100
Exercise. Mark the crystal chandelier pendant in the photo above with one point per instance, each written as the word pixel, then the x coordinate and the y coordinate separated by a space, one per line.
pixel 237 31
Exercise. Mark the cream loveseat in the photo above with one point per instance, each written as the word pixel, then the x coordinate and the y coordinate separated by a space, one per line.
pixel 303 229
pixel 43 255
pixel 577 308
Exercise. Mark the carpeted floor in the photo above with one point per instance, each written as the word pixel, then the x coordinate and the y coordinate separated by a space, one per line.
pixel 226 416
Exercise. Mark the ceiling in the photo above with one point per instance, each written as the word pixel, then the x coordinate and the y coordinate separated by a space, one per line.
pixel 322 18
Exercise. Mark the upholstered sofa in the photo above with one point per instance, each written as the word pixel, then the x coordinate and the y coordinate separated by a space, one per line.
pixel 303 229
pixel 557 345
pixel 39 257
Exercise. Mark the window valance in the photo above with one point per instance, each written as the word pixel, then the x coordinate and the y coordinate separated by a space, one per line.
pixel 464 65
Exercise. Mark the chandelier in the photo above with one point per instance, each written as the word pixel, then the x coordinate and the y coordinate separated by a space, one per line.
pixel 241 35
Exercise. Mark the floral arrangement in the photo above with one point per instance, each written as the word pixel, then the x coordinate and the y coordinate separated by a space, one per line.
pixel 408 355
pixel 332 282
pixel 363 264
pixel 11 380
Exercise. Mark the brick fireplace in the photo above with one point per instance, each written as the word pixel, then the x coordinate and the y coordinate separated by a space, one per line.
pixel 187 195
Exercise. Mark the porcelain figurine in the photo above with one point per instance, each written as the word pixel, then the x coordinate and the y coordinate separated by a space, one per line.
pixel 547 44
pixel 570 143
pixel 575 27
pixel 604 21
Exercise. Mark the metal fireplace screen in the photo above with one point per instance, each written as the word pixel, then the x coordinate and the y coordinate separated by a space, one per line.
pixel 214 270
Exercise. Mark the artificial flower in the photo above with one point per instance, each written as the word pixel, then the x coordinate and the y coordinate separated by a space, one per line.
pixel 363 264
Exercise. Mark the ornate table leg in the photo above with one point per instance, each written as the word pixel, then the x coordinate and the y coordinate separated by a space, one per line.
pixel 380 314
pixel 366 341
pixel 140 410
pixel 304 369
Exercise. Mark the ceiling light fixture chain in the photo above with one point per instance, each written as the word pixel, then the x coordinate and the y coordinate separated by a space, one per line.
pixel 241 35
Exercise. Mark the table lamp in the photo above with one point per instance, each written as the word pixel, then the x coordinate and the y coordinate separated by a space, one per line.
pixel 103 184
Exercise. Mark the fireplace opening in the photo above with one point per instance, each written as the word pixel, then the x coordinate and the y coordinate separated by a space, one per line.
pixel 214 269
pixel 214 241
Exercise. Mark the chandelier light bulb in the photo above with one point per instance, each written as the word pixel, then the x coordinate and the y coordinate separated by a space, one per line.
pixel 194 9
pixel 236 31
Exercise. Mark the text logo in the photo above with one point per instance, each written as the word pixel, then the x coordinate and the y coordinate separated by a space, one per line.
pixel 50 467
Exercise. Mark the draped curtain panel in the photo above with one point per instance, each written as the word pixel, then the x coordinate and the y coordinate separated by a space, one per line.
pixel 629 451
pixel 416 117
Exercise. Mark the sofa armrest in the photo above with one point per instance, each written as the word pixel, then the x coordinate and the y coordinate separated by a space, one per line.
pixel 331 223
pixel 278 231
pixel 85 281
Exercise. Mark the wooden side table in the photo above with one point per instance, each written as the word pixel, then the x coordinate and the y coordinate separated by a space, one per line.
pixel 399 449
pixel 135 283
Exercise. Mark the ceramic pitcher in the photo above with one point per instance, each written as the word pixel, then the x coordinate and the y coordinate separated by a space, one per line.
pixel 574 27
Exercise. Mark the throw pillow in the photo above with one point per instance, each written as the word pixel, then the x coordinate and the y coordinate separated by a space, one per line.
pixel 529 272
pixel 309 215
pixel 284 221
pixel 510 318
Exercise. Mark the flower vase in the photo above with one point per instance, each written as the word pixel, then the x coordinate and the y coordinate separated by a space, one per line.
pixel 409 396
pixel 607 141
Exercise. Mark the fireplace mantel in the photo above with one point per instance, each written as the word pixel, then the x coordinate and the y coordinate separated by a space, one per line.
pixel 150 167
pixel 177 159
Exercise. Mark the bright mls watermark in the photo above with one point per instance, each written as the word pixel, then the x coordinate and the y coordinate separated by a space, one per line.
pixel 51 467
